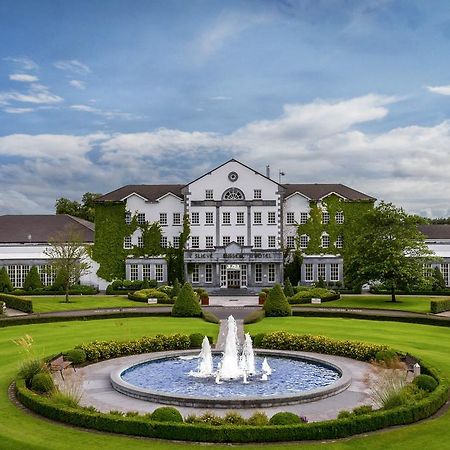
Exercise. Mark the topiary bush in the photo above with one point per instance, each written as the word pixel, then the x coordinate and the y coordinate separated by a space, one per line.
pixel 42 383
pixel 5 282
pixel 305 294
pixel 426 383
pixel 276 304
pixel 167 414
pixel 440 305
pixel 77 356
pixel 176 288
pixel 144 294
pixel 284 418
pixel 187 303
pixel 258 419
pixel 288 289
pixel 32 280
pixel 196 340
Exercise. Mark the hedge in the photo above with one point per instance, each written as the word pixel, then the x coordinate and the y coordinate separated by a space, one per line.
pixel 144 294
pixel 144 426
pixel 2 304
pixel 77 289
pixel 14 302
pixel 412 292
pixel 305 295
pixel 440 305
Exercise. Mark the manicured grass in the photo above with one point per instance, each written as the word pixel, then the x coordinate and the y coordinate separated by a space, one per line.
pixel 20 431
pixel 404 302
pixel 57 303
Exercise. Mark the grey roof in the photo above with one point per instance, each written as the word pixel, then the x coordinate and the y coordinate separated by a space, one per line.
pixel 437 231
pixel 150 192
pixel 41 228
pixel 318 191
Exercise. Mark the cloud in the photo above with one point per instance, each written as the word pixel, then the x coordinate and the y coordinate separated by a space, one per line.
pixel 78 84
pixel 442 90
pixel 220 98
pixel 23 77
pixel 103 113
pixel 11 110
pixel 22 62
pixel 36 93
pixel 73 65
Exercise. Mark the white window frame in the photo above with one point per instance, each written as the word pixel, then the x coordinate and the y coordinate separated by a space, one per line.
pixel 226 218
pixel 240 240
pixel 195 218
pixel 325 217
pixel 134 272
pixel 209 194
pixel 258 273
pixel 209 218
pixel 325 241
pixel 140 242
pixel 321 271
pixel 309 272
pixel 141 218
pixel 340 241
pixel 208 273
pixel 271 242
pixel 240 218
pixel 334 272
pixel 257 241
pixel 257 218
pixel 195 274
pixel 304 239
pixel 195 241
pixel 159 273
pixel 164 242
pixel 163 219
pixel 209 241
pixel 226 240
pixel 303 218
pixel 176 242
pixel 290 241
pixel 127 243
pixel 271 218
pixel 146 271
pixel 176 218
pixel 339 217
pixel 257 194
pixel 290 218
pixel 128 217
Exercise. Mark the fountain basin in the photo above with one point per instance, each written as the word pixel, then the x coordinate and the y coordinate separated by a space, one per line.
pixel 206 398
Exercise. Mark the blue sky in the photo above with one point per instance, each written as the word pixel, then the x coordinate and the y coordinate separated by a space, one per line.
pixel 97 94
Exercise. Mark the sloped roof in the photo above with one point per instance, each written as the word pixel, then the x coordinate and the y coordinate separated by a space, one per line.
pixel 151 192
pixel 318 191
pixel 438 231
pixel 42 228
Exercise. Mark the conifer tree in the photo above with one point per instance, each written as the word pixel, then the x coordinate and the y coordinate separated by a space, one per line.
pixel 32 280
pixel 187 303
pixel 276 304
pixel 5 282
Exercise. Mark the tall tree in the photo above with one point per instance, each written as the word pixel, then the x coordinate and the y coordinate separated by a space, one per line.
pixel 84 210
pixel 389 248
pixel 69 258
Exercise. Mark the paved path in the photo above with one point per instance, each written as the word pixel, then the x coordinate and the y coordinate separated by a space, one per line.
pixel 14 312
pixel 232 301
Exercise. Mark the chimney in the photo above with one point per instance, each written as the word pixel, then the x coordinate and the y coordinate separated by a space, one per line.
pixel 268 171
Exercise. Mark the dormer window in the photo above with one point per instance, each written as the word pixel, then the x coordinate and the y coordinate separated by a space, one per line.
pixel 233 194
pixel 209 194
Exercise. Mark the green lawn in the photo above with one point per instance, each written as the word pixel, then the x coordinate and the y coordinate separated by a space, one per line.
pixel 58 303
pixel 403 303
pixel 20 431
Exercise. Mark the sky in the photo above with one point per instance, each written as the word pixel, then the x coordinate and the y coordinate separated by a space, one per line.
pixel 101 93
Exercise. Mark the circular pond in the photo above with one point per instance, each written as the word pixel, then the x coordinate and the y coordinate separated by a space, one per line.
pixel 294 379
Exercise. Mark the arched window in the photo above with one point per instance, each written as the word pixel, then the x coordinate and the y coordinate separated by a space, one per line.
pixel 233 194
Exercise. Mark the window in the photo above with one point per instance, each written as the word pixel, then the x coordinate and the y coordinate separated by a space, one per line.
pixel 240 220
pixel 209 218
pixel 208 273
pixel 290 218
pixel 325 217
pixel 325 241
pixel 303 218
pixel 427 270
pixel 304 240
pixel 309 275
pixel 340 241
pixel 290 242
pixel 163 219
pixel 244 275
pixel 134 273
pixel 320 271
pixel 176 242
pixel 209 242
pixel 272 241
pixel 141 218
pixel 195 274
pixel 140 242
pixel 159 273
pixel 164 243
pixel 257 218
pixel 195 218
pixel 271 273
pixel 271 218
pixel 209 194
pixel 146 272
pixel 257 194
pixel 444 271
pixel 334 272
pixel 176 219
pixel 223 275
pixel 127 242
pixel 226 218
pixel 257 241
pixel 258 273
pixel 195 242
pixel 128 217
pixel 241 240
pixel 233 194
pixel 339 217
pixel 226 240
pixel 47 274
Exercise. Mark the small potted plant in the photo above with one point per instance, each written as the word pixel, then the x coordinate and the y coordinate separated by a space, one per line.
pixel 204 299
pixel 262 298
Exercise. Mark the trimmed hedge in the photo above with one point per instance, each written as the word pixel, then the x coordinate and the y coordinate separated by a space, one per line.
pixel 441 305
pixel 2 304
pixel 305 295
pixel 77 289
pixel 144 294
pixel 276 304
pixel 14 302
pixel 187 303
pixel 412 292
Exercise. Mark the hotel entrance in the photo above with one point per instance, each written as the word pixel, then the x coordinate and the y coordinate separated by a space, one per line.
pixel 233 279
pixel 234 276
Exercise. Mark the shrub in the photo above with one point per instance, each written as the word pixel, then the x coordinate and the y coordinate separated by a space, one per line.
pixel 30 368
pixel 144 294
pixel 440 305
pixel 32 280
pixel 187 304
pixel 426 383
pixel 5 282
pixel 438 282
pixel 364 409
pixel 258 419
pixel 320 283
pixel 254 316
pixel 2 307
pixel 210 317
pixel 166 414
pixel 14 302
pixel 196 340
pixel 42 383
pixel 258 339
pixel 387 356
pixel 284 418
pixel 233 418
pixel 288 289
pixel 206 418
pixel 305 294
pixel 344 414
pixel 132 414
pixel 167 290
pixel 276 304
pixel 77 356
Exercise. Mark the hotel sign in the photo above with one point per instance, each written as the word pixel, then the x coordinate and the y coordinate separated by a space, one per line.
pixel 233 256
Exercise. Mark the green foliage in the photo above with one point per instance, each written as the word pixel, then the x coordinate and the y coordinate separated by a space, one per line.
pixel 284 418
pixel 14 302
pixel 276 304
pixel 167 414
pixel 187 303
pixel 258 419
pixel 30 368
pixel 76 355
pixel 254 316
pixel 42 383
pixel 387 356
pixel 66 399
pixel 209 316
pixel 305 294
pixel 144 294
pixel 426 383
pixel 175 289
pixel 388 248
pixel 5 282
pixel 440 305
pixel 438 282
pixel 258 339
pixel 358 411
pixel 320 283
pixel 292 265
pixel 32 280
pixel 288 289
pixel 84 210
pixel 233 418
pixel 197 340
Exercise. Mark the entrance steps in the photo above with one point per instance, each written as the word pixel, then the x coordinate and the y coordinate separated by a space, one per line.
pixel 242 292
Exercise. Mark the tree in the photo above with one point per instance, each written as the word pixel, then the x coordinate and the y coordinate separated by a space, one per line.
pixel 32 280
pixel 69 258
pixel 288 289
pixel 276 304
pixel 388 248
pixel 5 281
pixel 438 280
pixel 187 303
pixel 84 210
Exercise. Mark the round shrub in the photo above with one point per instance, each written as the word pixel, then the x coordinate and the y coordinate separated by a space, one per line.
pixel 144 294
pixel 276 304
pixel 187 303
pixel 197 340
pixel 42 383
pixel 387 356
pixel 305 294
pixel 166 414
pixel 233 418
pixel 258 419
pixel 77 356
pixel 30 368
pixel 426 383
pixel 284 418
pixel 258 339
pixel 344 414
